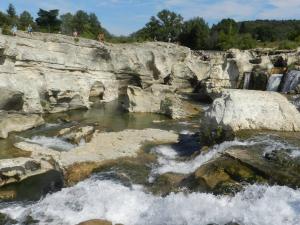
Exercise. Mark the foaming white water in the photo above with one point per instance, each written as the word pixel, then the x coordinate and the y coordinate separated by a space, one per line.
pixel 51 142
pixel 186 132
pixel 166 163
pixel 257 205
pixel 170 164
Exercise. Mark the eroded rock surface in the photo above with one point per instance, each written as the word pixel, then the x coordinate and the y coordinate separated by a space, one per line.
pixel 10 122
pixel 245 109
pixel 18 169
pixel 102 148
pixel 64 74
pixel 160 99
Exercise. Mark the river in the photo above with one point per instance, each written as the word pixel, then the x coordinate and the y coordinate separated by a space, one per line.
pixel 107 195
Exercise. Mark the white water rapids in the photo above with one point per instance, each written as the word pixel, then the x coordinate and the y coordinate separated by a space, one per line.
pixel 107 199
pixel 90 199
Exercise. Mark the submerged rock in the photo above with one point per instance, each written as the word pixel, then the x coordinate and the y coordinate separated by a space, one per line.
pixel 245 109
pixel 275 168
pixel 10 122
pixel 95 222
pixel 102 148
pixel 77 134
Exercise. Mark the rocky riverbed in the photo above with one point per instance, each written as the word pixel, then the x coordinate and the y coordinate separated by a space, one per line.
pixel 148 133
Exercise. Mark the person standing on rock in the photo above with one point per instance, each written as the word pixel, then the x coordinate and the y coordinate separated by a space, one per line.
pixel 29 29
pixel 14 30
pixel 75 34
pixel 101 37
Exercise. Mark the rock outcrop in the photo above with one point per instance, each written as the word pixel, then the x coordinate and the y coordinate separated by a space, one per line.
pixel 10 122
pixel 79 162
pixel 66 74
pixel 18 169
pixel 159 99
pixel 246 109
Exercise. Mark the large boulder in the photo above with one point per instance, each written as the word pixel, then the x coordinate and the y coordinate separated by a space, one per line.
pixel 159 99
pixel 10 122
pixel 246 109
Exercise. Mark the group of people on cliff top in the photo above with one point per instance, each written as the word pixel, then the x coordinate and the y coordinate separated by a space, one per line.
pixel 14 30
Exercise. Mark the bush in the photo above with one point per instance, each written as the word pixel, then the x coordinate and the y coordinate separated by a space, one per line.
pixel 287 45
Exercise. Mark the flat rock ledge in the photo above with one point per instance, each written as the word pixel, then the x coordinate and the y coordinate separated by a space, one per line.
pixel 102 148
pixel 253 110
pixel 10 122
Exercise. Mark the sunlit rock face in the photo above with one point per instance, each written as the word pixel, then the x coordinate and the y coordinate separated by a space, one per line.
pixel 246 109
pixel 54 73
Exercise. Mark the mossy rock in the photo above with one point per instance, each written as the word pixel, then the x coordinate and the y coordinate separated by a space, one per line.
pixel 167 183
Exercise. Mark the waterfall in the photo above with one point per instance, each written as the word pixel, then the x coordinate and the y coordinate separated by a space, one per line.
pixel 247 77
pixel 291 81
pixel 274 82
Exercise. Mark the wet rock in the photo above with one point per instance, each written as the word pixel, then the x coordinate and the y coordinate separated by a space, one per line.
pixel 222 175
pixel 274 168
pixel 33 188
pixel 17 169
pixel 210 136
pixel 167 183
pixel 95 222
pixel 247 110
pixel 76 134
pixel 10 122
pixel 79 162
pixel 6 220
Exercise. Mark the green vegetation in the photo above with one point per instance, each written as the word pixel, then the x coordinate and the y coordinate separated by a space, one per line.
pixel 165 26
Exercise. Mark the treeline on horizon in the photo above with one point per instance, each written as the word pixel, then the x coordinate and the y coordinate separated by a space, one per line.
pixel 165 26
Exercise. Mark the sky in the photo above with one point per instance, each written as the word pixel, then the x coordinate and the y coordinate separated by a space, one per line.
pixel 122 17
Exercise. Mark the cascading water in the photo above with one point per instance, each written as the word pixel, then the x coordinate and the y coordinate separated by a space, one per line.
pixel 274 82
pixel 247 78
pixel 291 81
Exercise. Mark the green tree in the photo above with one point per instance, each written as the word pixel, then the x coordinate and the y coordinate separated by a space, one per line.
pixel 245 41
pixel 195 34
pixel 226 34
pixel 171 25
pixel 12 15
pixel 25 20
pixel 48 21
pixel 95 26
pixel 66 23
pixel 166 25
pixel 11 11
pixel 81 22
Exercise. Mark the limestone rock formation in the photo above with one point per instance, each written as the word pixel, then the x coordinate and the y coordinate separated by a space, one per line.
pixel 54 73
pixel 159 99
pixel 77 134
pixel 18 169
pixel 102 148
pixel 10 122
pixel 246 109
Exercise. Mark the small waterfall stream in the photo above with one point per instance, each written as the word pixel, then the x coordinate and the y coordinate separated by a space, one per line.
pixel 247 77
pixel 274 82
pixel 291 81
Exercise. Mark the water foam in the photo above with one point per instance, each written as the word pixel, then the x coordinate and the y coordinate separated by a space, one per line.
pixel 172 164
pixel 267 143
pixel 51 142
pixel 257 205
